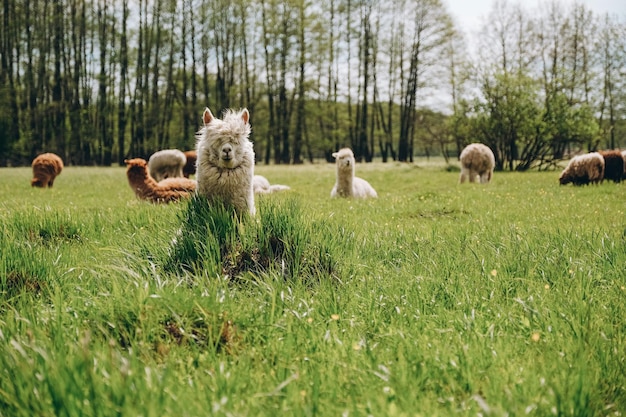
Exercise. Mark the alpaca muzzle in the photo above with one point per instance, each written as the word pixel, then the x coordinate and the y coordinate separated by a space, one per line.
pixel 227 152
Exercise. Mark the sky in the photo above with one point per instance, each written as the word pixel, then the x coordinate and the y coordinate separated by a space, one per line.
pixel 470 13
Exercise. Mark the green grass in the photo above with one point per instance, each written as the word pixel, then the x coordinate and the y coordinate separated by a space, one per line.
pixel 436 299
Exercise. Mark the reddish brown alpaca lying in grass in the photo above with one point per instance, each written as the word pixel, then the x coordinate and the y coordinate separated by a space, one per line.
pixel 146 188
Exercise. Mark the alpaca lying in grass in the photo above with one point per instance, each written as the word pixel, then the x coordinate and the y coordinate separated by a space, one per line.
pixel 146 188
pixel 225 165
pixel 477 163
pixel 190 166
pixel 347 185
pixel 46 167
pixel 261 185
pixel 167 163
pixel 583 169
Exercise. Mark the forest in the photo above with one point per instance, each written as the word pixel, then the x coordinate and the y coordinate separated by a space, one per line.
pixel 98 81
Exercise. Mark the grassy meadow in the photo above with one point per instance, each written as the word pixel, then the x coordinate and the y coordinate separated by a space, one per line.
pixel 436 299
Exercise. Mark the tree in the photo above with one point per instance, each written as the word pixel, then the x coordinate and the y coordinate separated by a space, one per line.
pixel 431 27
pixel 510 120
pixel 458 70
pixel 612 56
pixel 103 129
pixel 302 52
pixel 361 147
pixel 9 112
pixel 121 101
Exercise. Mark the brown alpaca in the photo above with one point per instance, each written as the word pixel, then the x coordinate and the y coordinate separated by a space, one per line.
pixel 146 188
pixel 613 165
pixel 190 165
pixel 46 167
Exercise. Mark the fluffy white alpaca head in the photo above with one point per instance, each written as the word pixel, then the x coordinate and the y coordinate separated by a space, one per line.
pixel 344 158
pixel 226 141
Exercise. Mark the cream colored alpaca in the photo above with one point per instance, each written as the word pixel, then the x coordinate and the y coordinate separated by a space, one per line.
pixel 262 185
pixel 167 163
pixel 225 165
pixel 347 185
pixel 477 163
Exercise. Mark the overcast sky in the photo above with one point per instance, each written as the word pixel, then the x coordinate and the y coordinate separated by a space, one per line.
pixel 470 13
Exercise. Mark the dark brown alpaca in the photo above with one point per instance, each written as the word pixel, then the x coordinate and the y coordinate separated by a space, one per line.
pixel 190 165
pixel 613 165
pixel 146 188
pixel 46 167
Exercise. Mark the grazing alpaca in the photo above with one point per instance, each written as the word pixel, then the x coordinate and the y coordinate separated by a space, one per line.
pixel 347 185
pixel 261 185
pixel 46 167
pixel 167 163
pixel 190 166
pixel 146 188
pixel 583 169
pixel 225 165
pixel 613 165
pixel 477 163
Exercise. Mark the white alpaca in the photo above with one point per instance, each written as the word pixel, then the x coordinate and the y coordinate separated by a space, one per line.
pixel 347 185
pixel 225 165
pixel 262 185
pixel 167 163
pixel 477 163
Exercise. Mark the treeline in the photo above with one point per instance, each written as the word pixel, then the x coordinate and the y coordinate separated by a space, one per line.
pixel 97 81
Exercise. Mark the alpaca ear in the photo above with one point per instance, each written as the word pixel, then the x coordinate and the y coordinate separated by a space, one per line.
pixel 245 116
pixel 335 154
pixel 207 116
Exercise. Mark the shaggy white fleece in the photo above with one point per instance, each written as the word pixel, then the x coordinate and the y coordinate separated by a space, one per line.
pixel 225 165
pixel 348 185
pixel 477 163
pixel 262 185
pixel 167 163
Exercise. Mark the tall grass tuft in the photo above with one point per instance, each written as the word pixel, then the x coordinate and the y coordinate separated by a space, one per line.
pixel 206 233
pixel 24 269
pixel 281 241
pixel 292 244
pixel 47 227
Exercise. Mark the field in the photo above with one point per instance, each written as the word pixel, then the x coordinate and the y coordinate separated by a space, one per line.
pixel 436 299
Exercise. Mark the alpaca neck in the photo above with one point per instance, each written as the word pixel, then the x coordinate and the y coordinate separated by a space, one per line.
pixel 344 181
pixel 143 182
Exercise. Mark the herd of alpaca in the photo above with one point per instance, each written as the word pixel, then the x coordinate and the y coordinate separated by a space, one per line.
pixel 595 167
pixel 223 165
